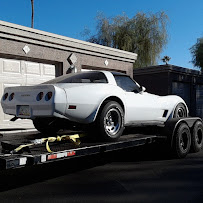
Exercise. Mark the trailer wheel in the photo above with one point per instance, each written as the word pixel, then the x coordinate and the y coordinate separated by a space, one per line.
pixel 197 137
pixel 180 111
pixel 182 141
pixel 110 122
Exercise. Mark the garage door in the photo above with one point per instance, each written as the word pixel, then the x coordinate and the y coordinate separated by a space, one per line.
pixel 18 73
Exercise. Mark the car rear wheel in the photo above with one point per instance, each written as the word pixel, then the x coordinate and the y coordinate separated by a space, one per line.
pixel 46 126
pixel 110 122
pixel 180 111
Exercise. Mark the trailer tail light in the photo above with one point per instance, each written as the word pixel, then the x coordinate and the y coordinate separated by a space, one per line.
pixel 52 156
pixel 11 96
pixel 61 155
pixel 71 153
pixel 40 96
pixel 5 96
pixel 48 96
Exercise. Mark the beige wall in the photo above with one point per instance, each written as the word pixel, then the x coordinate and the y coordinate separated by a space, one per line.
pixel 55 49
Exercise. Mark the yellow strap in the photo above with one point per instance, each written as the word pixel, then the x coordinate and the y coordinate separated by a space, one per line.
pixel 21 147
pixel 47 147
pixel 73 138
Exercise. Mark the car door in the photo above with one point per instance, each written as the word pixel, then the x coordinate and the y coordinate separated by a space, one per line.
pixel 140 106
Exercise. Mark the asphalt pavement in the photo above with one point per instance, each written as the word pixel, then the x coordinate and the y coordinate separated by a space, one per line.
pixel 143 174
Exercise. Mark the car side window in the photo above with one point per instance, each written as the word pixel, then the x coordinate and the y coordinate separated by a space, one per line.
pixel 126 83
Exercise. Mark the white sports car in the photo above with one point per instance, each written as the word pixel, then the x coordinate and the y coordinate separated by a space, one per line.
pixel 106 100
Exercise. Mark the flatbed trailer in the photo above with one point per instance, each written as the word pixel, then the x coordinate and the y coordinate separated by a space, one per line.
pixel 179 136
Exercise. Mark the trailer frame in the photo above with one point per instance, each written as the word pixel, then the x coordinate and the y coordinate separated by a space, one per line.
pixel 164 135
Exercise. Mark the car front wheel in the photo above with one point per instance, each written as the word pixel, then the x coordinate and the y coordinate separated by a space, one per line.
pixel 110 122
pixel 180 111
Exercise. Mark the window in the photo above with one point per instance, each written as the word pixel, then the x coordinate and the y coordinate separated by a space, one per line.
pixel 126 83
pixel 85 77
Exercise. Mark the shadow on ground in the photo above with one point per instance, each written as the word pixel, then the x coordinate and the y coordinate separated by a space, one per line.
pixel 14 178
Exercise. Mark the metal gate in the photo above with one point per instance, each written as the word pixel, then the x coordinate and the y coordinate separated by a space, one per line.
pixel 183 90
pixel 199 100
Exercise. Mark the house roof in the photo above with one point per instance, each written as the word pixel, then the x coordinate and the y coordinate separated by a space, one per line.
pixel 166 68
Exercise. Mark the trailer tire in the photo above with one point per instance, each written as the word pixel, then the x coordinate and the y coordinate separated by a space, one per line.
pixel 182 141
pixel 110 122
pixel 197 137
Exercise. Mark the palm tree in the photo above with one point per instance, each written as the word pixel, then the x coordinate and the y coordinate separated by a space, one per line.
pixel 32 19
pixel 166 59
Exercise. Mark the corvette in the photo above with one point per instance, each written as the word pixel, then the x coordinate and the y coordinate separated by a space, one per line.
pixel 107 101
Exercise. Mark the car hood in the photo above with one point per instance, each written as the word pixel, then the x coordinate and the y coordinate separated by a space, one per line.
pixel 166 101
pixel 152 95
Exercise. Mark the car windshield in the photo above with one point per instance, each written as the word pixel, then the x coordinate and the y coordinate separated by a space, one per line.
pixel 87 77
pixel 126 83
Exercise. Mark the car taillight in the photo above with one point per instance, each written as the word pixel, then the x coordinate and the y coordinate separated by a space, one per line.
pixel 11 96
pixel 48 96
pixel 5 96
pixel 40 96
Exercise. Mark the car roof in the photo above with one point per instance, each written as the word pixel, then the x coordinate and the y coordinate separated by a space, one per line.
pixel 109 74
pixel 118 73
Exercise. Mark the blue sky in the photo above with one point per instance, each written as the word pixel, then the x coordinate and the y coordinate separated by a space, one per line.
pixel 69 18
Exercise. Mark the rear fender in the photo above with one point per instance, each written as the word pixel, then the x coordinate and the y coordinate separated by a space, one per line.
pixel 60 101
pixel 102 104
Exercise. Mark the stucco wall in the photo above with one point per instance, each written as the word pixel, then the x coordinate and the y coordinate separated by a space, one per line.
pixel 55 49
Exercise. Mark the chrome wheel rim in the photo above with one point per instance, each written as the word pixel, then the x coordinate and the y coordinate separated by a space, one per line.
pixel 112 121
pixel 181 112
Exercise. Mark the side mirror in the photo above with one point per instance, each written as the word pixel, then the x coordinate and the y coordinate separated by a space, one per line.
pixel 142 89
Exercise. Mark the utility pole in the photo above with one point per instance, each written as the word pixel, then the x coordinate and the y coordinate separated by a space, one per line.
pixel 32 18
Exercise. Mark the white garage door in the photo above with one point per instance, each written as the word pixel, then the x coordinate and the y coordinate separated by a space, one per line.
pixel 18 73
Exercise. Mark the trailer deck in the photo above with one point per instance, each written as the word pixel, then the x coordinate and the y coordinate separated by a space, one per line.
pixel 38 154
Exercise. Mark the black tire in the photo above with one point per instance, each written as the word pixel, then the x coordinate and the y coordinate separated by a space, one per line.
pixel 182 141
pixel 110 122
pixel 197 137
pixel 180 111
pixel 46 126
